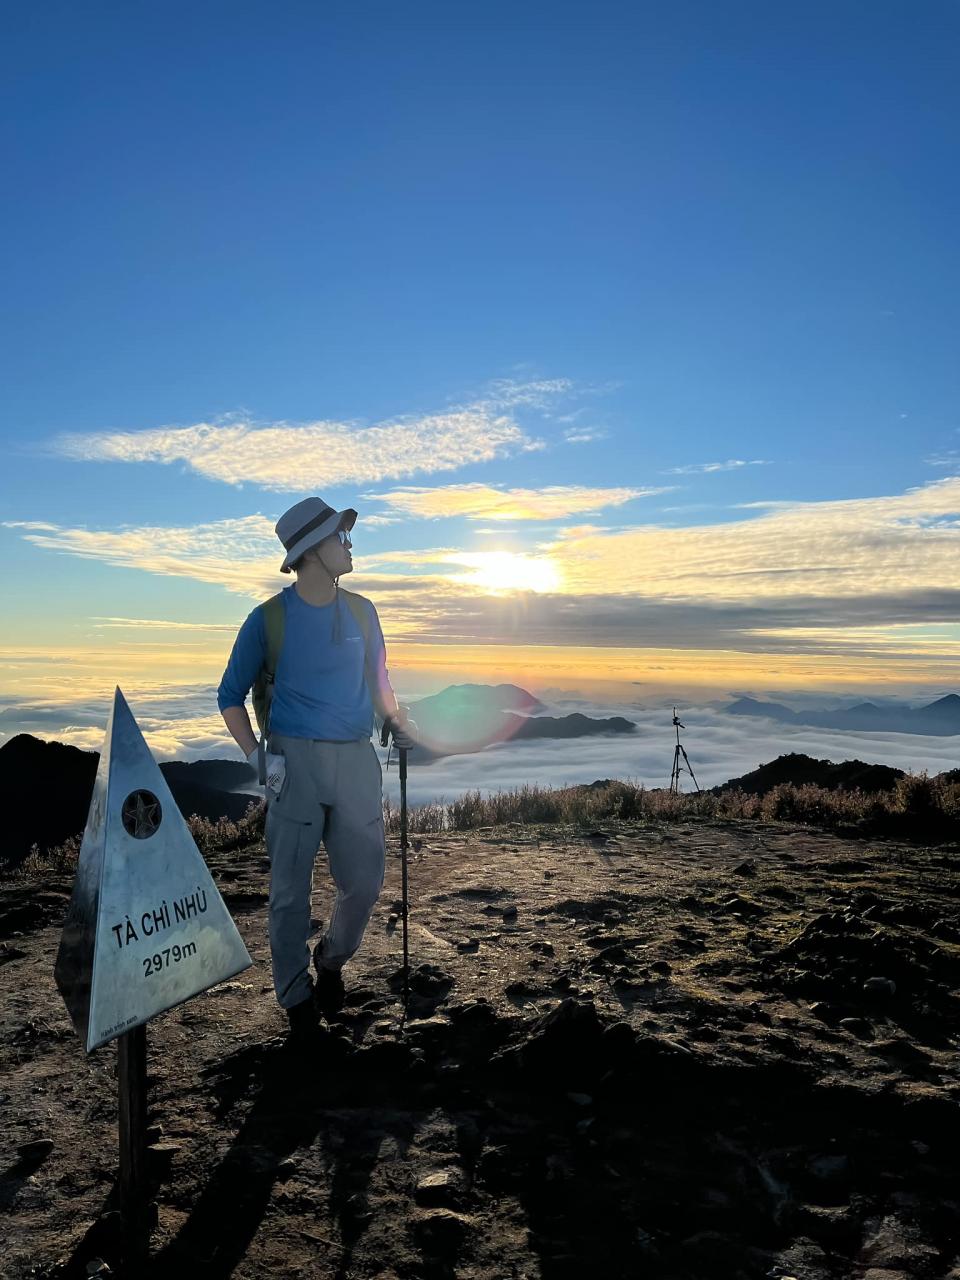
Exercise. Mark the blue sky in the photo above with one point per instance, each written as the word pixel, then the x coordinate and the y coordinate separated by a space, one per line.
pixel 635 271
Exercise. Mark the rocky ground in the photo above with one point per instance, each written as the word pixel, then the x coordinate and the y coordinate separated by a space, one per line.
pixel 686 1051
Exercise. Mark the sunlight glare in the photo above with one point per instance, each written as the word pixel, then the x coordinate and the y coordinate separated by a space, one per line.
pixel 501 571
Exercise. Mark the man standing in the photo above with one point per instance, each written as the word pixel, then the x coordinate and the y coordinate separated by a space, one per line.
pixel 323 776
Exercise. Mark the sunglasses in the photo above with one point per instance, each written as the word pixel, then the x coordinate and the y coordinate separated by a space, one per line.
pixel 344 538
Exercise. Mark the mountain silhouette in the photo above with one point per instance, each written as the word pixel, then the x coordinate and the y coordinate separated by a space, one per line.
pixel 464 718
pixel 940 718
pixel 800 769
pixel 45 790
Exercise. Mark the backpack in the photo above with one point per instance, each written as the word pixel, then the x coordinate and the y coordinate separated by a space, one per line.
pixel 274 621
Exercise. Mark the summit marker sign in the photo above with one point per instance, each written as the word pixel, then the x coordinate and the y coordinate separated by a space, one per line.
pixel 146 928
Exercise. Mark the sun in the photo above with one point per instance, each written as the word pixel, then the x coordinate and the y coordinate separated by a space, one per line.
pixel 501 571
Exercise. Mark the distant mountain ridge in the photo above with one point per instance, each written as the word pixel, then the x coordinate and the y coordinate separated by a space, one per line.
pixel 939 719
pixel 799 769
pixel 45 790
pixel 45 787
pixel 465 718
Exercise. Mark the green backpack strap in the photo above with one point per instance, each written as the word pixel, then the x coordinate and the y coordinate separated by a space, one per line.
pixel 273 623
pixel 360 608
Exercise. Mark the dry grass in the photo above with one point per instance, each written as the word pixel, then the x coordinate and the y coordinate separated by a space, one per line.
pixel 918 807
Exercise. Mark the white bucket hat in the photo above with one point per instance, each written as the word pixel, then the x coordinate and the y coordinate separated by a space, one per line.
pixel 308 523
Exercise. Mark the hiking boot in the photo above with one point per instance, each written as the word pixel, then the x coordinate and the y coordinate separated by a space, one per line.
pixel 328 992
pixel 303 1021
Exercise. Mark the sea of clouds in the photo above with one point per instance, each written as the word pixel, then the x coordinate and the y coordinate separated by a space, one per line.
pixel 183 723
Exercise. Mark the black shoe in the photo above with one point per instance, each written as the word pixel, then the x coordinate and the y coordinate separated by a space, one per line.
pixel 329 993
pixel 303 1020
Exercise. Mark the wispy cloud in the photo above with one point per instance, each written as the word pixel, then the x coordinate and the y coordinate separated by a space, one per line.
pixel 852 548
pixel 242 554
pixel 159 624
pixel 702 468
pixel 484 502
pixel 297 457
pixel 803 578
pixel 293 457
pixel 541 393
pixel 949 458
pixel 584 435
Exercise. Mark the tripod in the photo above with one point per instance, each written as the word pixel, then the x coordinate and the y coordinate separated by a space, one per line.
pixel 678 751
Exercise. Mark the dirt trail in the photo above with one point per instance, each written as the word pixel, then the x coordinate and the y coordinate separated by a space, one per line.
pixel 653 1050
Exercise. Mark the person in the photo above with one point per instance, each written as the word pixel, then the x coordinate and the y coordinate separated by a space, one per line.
pixel 323 775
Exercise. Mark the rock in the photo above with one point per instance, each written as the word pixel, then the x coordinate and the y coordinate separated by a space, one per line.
pixel 421 1006
pixel 581 1099
pixel 510 915
pixel 286 1168
pixel 904 1051
pixel 38 1149
pixel 468 944
pixel 830 1225
pixel 880 987
pixel 661 966
pixel 443 1189
pixel 429 980
pixel 441 1232
pixel 803 1259
pixel 430 1033
pixel 857 1027
pixel 497 1167
pixel 745 869
pixel 894 1243
pixel 884 1273
pixel 829 1168
pixel 97 1267
pixel 161 1154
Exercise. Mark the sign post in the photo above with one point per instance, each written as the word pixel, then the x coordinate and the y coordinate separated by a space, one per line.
pixel 146 929
pixel 132 1108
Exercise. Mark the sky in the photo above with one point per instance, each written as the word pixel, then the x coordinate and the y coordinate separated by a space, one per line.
pixel 630 330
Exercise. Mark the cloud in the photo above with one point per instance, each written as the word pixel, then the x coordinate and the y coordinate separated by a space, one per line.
pixel 159 624
pixel 701 468
pixel 847 578
pixel 719 747
pixel 858 547
pixel 950 458
pixel 508 393
pixel 182 723
pixel 584 435
pixel 285 457
pixel 484 502
pixel 240 554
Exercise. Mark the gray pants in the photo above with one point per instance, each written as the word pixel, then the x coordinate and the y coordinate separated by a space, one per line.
pixel 331 792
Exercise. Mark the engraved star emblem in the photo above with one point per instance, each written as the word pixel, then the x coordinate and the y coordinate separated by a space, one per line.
pixel 141 814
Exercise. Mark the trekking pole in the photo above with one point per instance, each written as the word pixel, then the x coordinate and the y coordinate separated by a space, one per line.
pixel 384 740
pixel 403 881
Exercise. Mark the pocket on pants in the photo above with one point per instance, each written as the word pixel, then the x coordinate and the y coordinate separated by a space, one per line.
pixel 295 801
pixel 366 791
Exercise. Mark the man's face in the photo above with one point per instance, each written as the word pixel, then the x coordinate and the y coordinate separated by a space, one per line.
pixel 334 553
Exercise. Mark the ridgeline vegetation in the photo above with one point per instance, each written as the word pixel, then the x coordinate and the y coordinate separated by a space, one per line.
pixel 916 808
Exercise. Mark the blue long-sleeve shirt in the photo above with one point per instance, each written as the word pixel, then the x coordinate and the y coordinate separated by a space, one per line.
pixel 322 687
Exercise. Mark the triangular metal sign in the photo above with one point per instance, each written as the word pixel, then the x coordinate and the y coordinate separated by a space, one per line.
pixel 146 928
